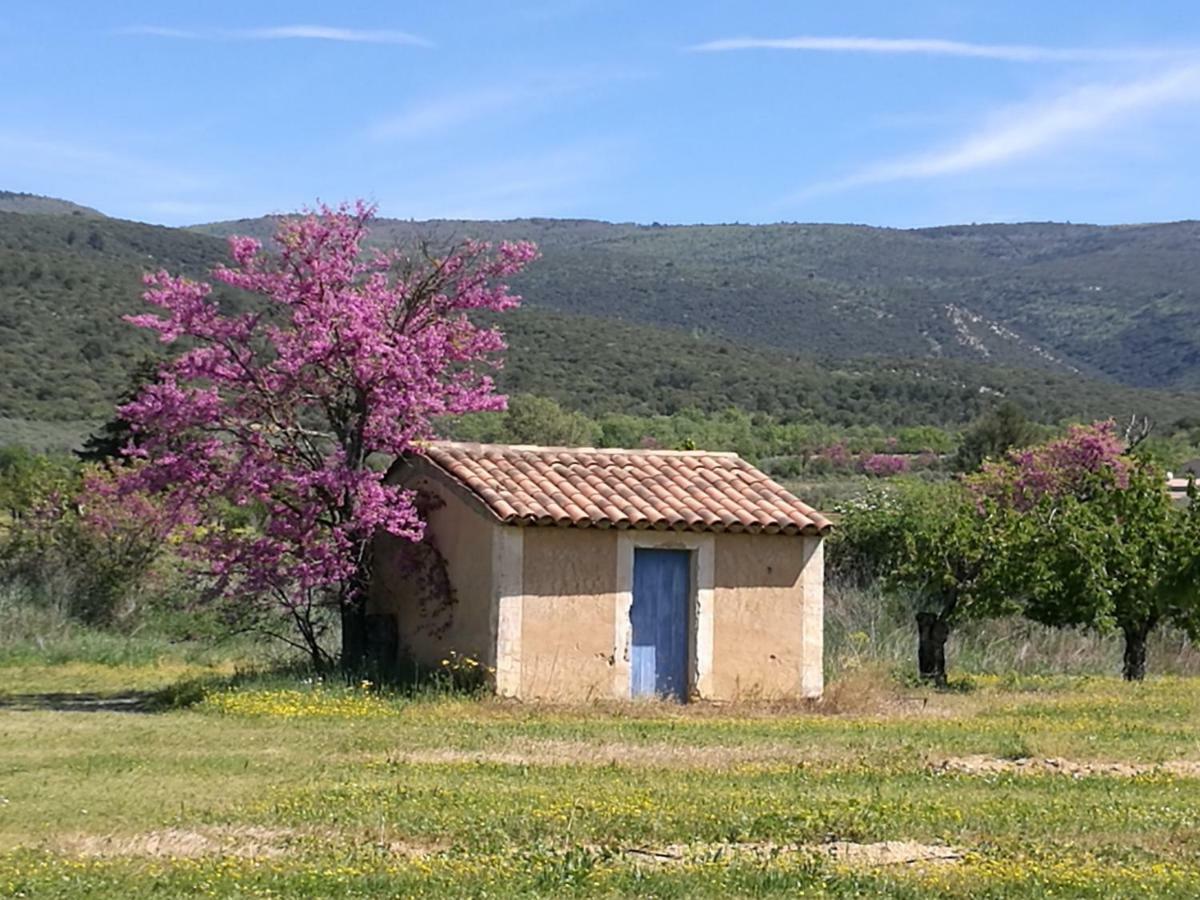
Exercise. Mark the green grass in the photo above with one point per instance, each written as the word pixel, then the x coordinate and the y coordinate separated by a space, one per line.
pixel 276 786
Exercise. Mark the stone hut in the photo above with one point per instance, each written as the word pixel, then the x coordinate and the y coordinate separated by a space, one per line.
pixel 581 574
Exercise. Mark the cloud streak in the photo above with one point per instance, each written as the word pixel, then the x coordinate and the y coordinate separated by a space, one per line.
pixel 436 116
pixel 939 47
pixel 282 33
pixel 1027 130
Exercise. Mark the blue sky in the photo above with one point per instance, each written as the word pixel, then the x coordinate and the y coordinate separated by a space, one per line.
pixel 886 113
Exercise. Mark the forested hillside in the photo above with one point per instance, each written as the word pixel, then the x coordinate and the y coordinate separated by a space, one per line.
pixel 65 282
pixel 1121 302
pixel 601 366
pixel 66 279
pixel 16 201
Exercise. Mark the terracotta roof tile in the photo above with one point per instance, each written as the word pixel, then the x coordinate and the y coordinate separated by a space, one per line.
pixel 587 488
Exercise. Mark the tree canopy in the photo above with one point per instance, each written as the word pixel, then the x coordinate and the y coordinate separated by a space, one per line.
pixel 341 353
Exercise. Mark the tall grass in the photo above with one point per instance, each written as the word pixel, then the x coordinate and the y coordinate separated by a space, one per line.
pixel 36 628
pixel 864 629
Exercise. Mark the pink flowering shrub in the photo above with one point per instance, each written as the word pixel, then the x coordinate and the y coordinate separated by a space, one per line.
pixel 346 354
pixel 835 458
pixel 885 465
pixel 1073 465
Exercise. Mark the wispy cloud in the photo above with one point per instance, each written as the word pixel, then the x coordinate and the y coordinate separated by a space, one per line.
pixel 1027 130
pixel 441 113
pixel 939 47
pixel 428 118
pixel 282 33
pixel 157 31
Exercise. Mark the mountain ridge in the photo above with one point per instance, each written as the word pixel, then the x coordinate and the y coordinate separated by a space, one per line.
pixel 1042 295
pixel 582 338
pixel 38 204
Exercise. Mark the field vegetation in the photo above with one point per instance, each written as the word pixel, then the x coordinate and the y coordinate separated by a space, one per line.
pixel 180 776
pixel 159 748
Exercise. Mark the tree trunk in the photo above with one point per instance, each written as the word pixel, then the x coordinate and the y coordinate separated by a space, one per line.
pixel 1135 651
pixel 354 616
pixel 932 632
pixel 354 634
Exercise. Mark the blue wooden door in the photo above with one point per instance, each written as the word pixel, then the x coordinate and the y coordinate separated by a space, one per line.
pixel 659 617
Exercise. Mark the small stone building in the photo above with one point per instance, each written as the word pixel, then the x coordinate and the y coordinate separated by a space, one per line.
pixel 579 574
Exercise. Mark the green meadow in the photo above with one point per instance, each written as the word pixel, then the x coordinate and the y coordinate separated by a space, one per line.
pixel 171 778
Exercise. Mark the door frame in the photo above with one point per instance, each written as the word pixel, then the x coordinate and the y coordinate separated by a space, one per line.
pixel 701 547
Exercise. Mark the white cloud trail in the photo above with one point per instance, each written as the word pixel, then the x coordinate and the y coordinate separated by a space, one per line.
pixel 438 115
pixel 282 33
pixel 939 47
pixel 1026 130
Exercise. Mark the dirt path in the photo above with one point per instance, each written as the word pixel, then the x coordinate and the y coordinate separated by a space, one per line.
pixel 584 753
pixel 1051 765
pixel 251 842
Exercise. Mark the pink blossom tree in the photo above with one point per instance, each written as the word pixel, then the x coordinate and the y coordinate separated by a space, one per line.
pixel 259 436
pixel 1089 537
pixel 885 465
pixel 1087 459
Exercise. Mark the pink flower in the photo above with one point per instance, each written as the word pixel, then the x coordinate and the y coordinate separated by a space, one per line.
pixel 341 356
pixel 885 465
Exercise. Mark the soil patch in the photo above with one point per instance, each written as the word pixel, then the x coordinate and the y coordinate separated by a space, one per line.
pixel 1051 765
pixel 586 753
pixel 849 853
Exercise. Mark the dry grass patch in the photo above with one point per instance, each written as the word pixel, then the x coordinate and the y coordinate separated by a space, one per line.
pixel 846 853
pixel 240 841
pixel 652 756
pixel 889 853
pixel 1052 765
pixel 246 841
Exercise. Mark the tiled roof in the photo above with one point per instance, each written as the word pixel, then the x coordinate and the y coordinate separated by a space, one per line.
pixel 1177 488
pixel 661 489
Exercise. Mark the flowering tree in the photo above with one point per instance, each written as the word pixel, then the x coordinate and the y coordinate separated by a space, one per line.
pixel 277 411
pixel 885 465
pixel 1091 538
pixel 930 547
pixel 1088 460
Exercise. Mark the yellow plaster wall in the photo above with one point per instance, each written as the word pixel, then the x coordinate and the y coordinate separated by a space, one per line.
pixel 759 617
pixel 567 628
pixel 464 537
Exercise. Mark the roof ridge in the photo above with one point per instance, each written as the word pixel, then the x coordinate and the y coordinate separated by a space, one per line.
pixel 525 484
pixel 550 448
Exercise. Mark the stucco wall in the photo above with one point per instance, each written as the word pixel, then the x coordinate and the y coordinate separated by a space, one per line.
pixel 464 537
pixel 549 607
pixel 764 644
pixel 567 617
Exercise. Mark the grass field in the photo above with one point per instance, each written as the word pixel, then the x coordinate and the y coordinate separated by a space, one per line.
pixel 174 779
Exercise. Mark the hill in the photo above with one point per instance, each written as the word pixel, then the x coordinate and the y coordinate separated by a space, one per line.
pixel 600 366
pixel 18 202
pixel 65 353
pixel 1119 302
pixel 65 282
